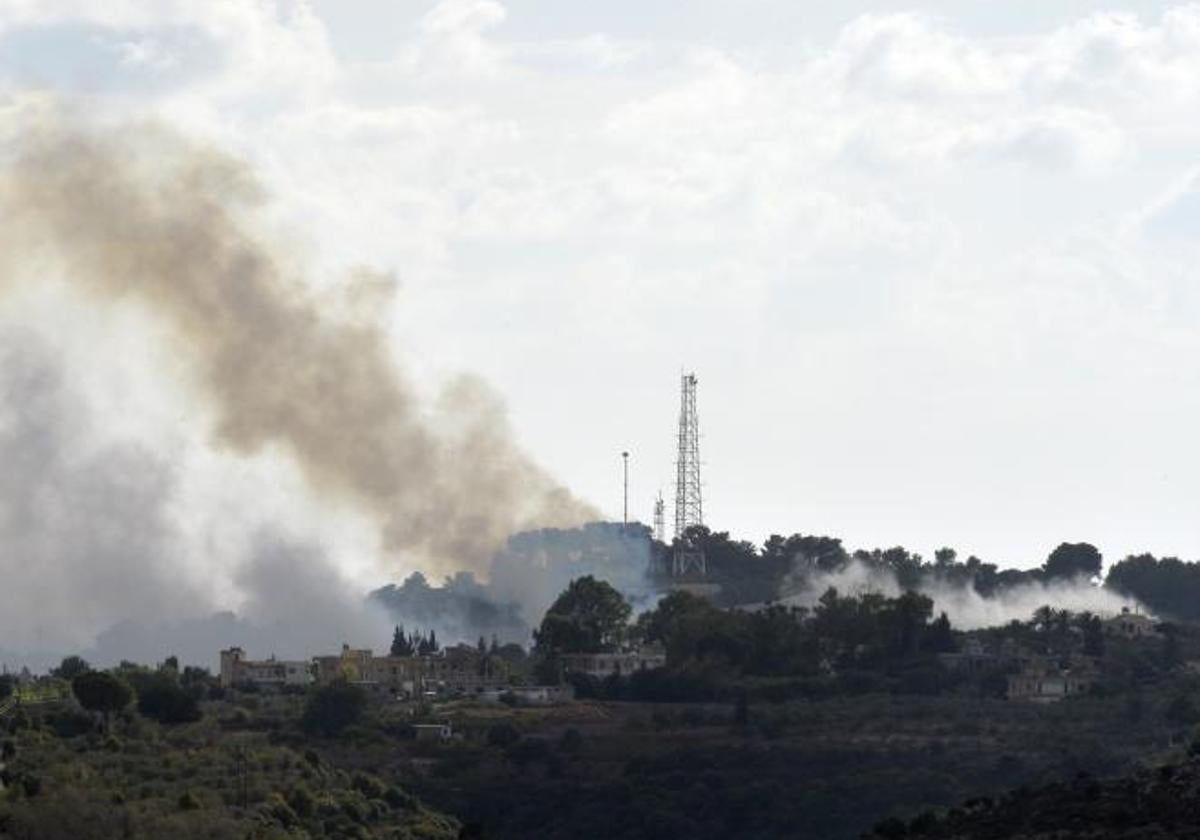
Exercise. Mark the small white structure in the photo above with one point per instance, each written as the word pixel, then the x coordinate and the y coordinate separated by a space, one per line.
pixel 541 695
pixel 433 731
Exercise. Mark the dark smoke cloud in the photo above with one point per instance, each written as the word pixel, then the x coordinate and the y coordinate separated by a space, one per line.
pixel 140 215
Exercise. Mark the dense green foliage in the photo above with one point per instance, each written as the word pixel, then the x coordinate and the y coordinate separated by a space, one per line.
pixel 71 667
pixel 1168 586
pixel 332 708
pixel 1156 804
pixel 849 644
pixel 167 702
pixel 1073 560
pixel 589 616
pixel 229 774
pixel 99 691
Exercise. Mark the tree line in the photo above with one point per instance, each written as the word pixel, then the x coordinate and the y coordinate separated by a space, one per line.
pixel 747 573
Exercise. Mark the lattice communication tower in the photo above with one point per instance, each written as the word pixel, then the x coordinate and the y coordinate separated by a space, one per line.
pixel 660 519
pixel 689 505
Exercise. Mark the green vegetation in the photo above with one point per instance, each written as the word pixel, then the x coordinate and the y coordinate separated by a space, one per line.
pixel 239 769
pixel 332 708
pixel 588 617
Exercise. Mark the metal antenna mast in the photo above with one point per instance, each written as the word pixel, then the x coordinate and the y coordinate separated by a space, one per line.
pixel 689 509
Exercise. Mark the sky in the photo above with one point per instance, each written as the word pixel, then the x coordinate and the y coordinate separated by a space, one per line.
pixel 934 264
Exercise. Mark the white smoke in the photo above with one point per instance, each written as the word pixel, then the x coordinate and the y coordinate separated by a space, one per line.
pixel 966 608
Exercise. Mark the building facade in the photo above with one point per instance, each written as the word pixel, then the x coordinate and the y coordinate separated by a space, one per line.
pixel 623 663
pixel 236 669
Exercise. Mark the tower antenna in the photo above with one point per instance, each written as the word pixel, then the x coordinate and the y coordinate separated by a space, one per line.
pixel 689 506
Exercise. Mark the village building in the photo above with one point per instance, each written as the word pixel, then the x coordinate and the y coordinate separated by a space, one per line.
pixel 398 675
pixel 1048 682
pixel 236 669
pixel 1131 625
pixel 352 665
pixel 461 669
pixel 623 663
pixel 974 656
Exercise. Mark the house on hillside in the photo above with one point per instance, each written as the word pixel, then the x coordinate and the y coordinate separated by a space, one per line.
pixel 1048 681
pixel 1131 625
pixel 236 669
pixel 623 663
pixel 974 656
pixel 352 665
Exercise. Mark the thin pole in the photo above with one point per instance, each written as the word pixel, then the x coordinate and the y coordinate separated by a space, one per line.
pixel 625 513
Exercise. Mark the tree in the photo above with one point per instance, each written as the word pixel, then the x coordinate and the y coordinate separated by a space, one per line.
pixel 1073 560
pixel 71 667
pixel 164 701
pixel 1168 586
pixel 939 636
pixel 401 646
pixel 1093 633
pixel 101 692
pixel 944 557
pixel 7 684
pixel 331 708
pixel 588 617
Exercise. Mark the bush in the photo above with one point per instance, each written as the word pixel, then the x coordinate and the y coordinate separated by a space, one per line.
pixel 167 703
pixel 502 735
pixel 571 741
pixel 368 786
pixel 332 708
pixel 400 800
pixel 70 723
pixel 98 691
pixel 302 801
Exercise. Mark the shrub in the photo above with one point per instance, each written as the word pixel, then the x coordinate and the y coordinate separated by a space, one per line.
pixel 368 786
pixel 571 741
pixel 188 801
pixel 302 801
pixel 502 735
pixel 332 708
pixel 168 703
pixel 400 800
pixel 98 691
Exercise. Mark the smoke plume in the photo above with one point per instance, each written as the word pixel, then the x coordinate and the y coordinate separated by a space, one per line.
pixel 966 608
pixel 93 559
pixel 141 216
